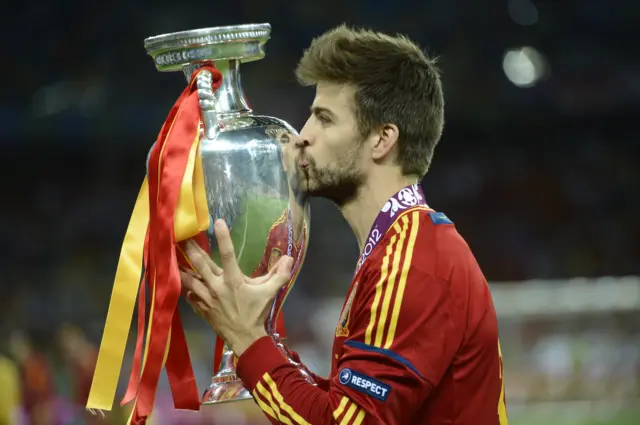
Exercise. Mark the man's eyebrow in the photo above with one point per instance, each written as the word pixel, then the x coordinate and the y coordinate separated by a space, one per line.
pixel 319 110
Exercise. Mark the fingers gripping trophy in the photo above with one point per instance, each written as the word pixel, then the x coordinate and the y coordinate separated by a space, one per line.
pixel 213 159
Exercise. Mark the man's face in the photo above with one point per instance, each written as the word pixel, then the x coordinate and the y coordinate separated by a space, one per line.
pixel 329 151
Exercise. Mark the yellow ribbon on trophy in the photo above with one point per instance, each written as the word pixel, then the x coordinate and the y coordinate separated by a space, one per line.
pixel 191 218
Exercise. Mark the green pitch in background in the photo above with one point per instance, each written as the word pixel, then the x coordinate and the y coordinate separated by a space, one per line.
pixel 572 414
pixel 250 230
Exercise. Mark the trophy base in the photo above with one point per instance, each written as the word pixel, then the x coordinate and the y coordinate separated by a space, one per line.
pixel 224 388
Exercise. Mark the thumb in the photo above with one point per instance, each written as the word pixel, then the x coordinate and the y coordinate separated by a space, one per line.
pixel 284 265
pixel 281 277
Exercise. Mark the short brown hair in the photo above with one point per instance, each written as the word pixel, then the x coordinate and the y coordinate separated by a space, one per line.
pixel 395 83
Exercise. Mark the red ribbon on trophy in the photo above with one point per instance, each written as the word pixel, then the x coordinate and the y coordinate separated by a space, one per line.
pixel 176 210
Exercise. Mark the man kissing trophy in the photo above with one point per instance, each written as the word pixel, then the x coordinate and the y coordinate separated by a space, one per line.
pixel 213 159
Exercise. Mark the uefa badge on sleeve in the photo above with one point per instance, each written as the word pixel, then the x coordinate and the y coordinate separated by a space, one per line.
pixel 364 384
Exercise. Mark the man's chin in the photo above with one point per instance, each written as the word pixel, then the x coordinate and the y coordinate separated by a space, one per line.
pixel 318 191
pixel 340 194
pixel 309 186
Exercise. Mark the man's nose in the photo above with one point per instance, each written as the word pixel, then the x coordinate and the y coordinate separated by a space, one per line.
pixel 301 142
pixel 305 138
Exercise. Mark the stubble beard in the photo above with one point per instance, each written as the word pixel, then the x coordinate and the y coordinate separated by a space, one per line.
pixel 338 183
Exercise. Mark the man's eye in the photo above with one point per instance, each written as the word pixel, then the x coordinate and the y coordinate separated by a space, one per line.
pixel 323 119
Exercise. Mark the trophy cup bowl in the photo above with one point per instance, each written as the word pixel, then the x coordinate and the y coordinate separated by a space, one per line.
pixel 244 162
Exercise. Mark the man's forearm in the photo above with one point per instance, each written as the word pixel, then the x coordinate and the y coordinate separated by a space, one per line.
pixel 279 388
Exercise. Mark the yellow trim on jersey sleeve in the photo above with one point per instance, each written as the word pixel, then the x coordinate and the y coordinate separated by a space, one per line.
pixel 359 417
pixel 502 407
pixel 280 400
pixel 351 409
pixel 340 408
pixel 391 285
pixel 384 270
pixel 415 224
pixel 270 409
pixel 350 412
pixel 391 281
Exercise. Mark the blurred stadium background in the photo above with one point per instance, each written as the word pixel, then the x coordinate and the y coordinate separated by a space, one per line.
pixel 537 167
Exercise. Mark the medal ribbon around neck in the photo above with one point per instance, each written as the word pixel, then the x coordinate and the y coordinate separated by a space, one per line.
pixel 408 197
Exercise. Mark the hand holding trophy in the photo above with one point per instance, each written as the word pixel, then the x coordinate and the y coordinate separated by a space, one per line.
pixel 213 159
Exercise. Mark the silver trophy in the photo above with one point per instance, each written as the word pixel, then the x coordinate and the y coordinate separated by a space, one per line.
pixel 248 172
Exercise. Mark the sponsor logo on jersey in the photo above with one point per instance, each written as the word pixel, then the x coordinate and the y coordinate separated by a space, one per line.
pixel 364 384
pixel 343 325
pixel 274 257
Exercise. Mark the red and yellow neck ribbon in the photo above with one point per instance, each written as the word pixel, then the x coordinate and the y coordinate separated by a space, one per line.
pixel 171 208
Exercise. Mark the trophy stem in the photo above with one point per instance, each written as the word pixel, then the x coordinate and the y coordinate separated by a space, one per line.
pixel 226 385
pixel 229 98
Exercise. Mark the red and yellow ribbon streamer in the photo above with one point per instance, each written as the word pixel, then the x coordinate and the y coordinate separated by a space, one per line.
pixel 171 208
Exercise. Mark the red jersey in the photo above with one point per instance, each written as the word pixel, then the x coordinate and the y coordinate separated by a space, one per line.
pixel 416 343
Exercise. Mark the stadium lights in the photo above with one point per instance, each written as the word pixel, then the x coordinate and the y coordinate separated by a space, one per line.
pixel 524 67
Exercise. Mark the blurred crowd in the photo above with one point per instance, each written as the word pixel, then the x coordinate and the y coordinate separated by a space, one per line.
pixel 542 180
pixel 47 386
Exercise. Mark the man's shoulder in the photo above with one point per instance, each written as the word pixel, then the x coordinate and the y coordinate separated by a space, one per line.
pixel 427 241
pixel 406 245
pixel 423 231
pixel 421 220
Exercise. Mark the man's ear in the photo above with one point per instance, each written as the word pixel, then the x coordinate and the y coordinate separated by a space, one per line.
pixel 386 138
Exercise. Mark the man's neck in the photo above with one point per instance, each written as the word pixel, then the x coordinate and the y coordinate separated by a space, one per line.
pixel 363 210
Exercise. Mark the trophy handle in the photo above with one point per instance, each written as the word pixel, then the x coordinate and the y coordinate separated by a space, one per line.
pixel 207 99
